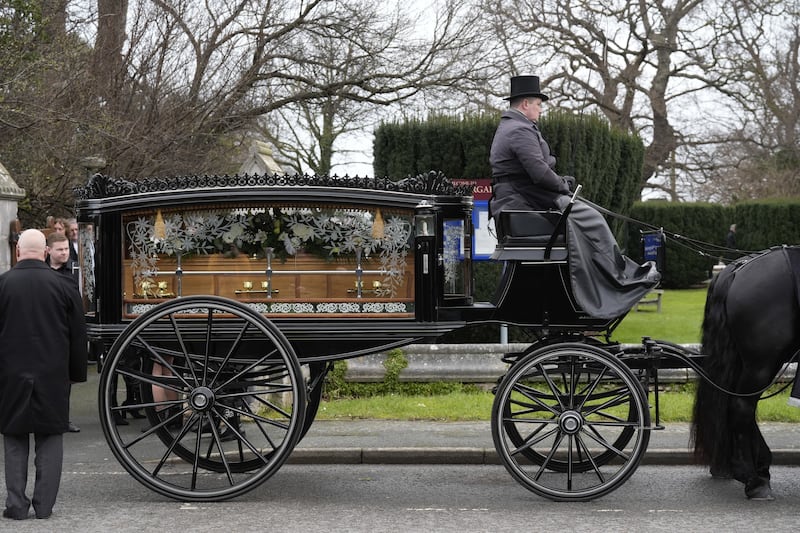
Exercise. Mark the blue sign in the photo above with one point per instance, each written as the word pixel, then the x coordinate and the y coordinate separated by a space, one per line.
pixel 652 242
pixel 484 237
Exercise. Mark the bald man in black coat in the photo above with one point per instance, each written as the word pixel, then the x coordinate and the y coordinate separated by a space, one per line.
pixel 43 340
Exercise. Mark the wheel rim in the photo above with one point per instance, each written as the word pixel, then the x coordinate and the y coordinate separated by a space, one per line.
pixel 235 404
pixel 570 422
pixel 579 464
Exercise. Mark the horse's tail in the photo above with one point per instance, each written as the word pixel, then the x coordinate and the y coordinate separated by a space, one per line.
pixel 711 433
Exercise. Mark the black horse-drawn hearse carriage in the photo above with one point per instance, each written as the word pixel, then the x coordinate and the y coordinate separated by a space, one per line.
pixel 216 306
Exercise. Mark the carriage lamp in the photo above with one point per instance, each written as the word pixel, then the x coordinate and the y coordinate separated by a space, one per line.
pixel 425 232
pixel 424 220
pixel 425 270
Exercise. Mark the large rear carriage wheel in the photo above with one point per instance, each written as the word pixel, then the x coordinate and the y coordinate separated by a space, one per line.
pixel 570 422
pixel 223 395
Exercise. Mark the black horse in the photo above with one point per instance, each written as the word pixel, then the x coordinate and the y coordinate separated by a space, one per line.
pixel 750 329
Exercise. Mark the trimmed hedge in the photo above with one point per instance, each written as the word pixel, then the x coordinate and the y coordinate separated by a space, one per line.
pixel 765 223
pixel 605 161
pixel 760 224
pixel 699 222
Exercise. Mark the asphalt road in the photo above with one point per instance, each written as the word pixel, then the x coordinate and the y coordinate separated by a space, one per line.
pixel 392 498
pixel 97 494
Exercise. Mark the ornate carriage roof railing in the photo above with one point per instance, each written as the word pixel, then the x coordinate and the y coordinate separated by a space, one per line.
pixel 113 193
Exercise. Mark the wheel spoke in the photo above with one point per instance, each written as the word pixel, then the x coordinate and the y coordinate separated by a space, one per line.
pixel 217 440
pixel 592 387
pixel 526 391
pixel 570 464
pixel 164 383
pixel 169 450
pixel 590 458
pixel 182 344
pixel 163 361
pixel 247 369
pixel 242 439
pixel 553 388
pixel 553 450
pixel 605 444
pixel 621 399
pixel 233 349
pixel 531 441
pixel 258 420
pixel 575 379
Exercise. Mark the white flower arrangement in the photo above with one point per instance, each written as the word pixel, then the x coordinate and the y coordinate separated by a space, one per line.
pixel 327 232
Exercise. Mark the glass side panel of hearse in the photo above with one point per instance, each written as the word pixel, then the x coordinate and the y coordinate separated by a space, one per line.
pixel 281 260
pixel 87 249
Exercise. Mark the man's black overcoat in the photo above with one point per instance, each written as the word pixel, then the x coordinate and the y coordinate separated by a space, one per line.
pixel 42 348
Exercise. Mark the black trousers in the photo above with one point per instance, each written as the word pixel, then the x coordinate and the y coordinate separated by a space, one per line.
pixel 49 458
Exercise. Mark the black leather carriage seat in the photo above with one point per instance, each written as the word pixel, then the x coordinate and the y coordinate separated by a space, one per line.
pixel 527 236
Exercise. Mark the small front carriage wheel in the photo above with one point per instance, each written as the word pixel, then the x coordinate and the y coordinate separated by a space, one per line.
pixel 223 395
pixel 570 422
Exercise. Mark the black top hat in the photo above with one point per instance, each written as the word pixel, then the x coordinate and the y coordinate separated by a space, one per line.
pixel 525 86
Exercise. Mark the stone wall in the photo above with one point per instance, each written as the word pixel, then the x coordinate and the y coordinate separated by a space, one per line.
pixel 474 363
pixel 10 194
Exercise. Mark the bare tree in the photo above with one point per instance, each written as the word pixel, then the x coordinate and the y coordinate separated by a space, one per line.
pixel 107 68
pixel 170 87
pixel 395 61
pixel 639 63
pixel 760 153
pixel 42 83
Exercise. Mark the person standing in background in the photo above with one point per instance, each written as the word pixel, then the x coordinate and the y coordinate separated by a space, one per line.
pixel 58 259
pixel 58 256
pixel 730 239
pixel 72 234
pixel 43 335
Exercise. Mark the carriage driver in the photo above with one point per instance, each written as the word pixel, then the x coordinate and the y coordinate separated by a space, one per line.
pixel 605 282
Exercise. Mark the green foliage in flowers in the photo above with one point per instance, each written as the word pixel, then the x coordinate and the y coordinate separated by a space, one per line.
pixel 253 234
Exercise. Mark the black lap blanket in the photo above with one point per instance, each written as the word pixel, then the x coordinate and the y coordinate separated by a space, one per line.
pixel 605 283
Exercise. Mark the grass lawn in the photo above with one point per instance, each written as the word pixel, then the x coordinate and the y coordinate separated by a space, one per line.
pixel 679 322
pixel 675 406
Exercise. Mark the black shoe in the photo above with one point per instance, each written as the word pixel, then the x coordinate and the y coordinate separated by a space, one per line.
pixel 119 420
pixel 14 516
pixel 72 428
